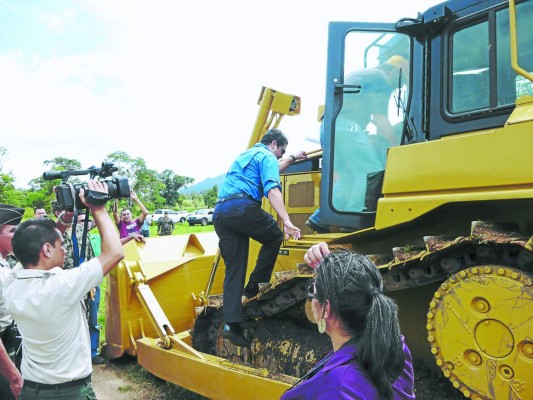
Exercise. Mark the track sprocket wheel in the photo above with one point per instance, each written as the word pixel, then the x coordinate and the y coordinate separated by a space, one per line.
pixel 480 328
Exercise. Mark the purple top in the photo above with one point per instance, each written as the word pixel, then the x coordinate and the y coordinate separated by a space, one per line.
pixel 126 230
pixel 342 378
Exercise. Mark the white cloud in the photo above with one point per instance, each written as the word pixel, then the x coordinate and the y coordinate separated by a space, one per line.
pixel 175 83
pixel 52 21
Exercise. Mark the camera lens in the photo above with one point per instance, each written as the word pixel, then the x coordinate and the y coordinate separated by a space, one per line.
pixel 118 188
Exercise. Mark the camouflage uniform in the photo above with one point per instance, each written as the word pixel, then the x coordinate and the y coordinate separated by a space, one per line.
pixel 69 256
pixel 67 244
pixel 165 226
pixel 11 260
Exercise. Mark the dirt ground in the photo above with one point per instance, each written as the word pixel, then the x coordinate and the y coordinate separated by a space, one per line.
pixel 108 385
pixel 124 379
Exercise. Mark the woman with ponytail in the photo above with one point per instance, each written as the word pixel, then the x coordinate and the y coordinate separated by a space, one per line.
pixel 369 359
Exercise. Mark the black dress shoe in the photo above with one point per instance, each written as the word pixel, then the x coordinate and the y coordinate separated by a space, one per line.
pixel 251 290
pixel 233 332
pixel 318 228
pixel 98 360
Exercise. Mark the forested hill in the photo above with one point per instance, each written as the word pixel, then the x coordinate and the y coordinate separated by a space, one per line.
pixel 204 185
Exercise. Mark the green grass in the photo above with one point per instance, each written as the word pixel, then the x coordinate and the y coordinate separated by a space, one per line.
pixel 180 229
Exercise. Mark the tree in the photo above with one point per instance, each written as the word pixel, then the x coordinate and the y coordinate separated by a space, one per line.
pixel 211 196
pixel 153 188
pixel 173 183
pixel 149 186
pixel 127 167
pixel 55 164
pixel 144 181
pixel 8 193
pixel 7 189
pixel 196 199
pixel 41 192
pixel 3 153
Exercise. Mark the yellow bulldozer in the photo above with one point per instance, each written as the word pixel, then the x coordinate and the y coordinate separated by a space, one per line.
pixel 437 190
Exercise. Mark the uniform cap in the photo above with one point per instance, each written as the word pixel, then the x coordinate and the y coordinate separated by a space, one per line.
pixel 10 215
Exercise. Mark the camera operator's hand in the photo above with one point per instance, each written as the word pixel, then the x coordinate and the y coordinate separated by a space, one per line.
pixel 112 251
pixel 96 186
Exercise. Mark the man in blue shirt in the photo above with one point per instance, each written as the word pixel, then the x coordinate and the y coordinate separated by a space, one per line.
pixel 238 216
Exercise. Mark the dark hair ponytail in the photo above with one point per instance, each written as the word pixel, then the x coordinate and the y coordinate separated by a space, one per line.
pixel 380 345
pixel 354 288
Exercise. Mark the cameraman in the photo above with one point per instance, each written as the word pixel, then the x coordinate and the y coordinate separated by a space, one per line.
pixel 45 300
pixel 127 226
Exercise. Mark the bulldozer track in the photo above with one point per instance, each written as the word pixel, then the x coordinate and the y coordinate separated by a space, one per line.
pixel 440 257
pixel 282 302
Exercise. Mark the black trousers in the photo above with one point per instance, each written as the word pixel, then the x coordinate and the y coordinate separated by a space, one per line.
pixel 5 390
pixel 8 340
pixel 236 221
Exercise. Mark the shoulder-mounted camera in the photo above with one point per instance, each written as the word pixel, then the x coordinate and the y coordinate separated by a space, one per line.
pixel 68 194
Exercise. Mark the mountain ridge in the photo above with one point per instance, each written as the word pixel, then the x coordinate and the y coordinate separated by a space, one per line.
pixel 205 185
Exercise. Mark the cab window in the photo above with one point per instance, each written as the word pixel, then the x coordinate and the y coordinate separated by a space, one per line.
pixel 482 76
pixel 370 119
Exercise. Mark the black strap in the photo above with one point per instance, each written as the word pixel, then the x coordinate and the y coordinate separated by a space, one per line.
pixel 235 196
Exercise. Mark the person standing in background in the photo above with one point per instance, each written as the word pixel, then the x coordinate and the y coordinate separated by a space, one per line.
pixel 145 228
pixel 165 225
pixel 40 213
pixel 125 224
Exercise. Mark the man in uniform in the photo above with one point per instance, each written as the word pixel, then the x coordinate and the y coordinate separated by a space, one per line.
pixel 165 225
pixel 40 213
pixel 45 300
pixel 66 229
pixel 10 379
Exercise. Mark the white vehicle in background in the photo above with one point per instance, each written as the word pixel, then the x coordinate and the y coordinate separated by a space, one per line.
pixel 175 216
pixel 203 217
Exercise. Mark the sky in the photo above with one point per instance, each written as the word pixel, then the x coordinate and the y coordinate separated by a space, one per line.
pixel 174 83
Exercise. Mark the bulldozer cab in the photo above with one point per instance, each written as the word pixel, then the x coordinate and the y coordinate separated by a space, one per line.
pixel 389 85
pixel 364 118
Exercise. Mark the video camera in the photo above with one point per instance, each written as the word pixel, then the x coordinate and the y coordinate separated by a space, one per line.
pixel 68 194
